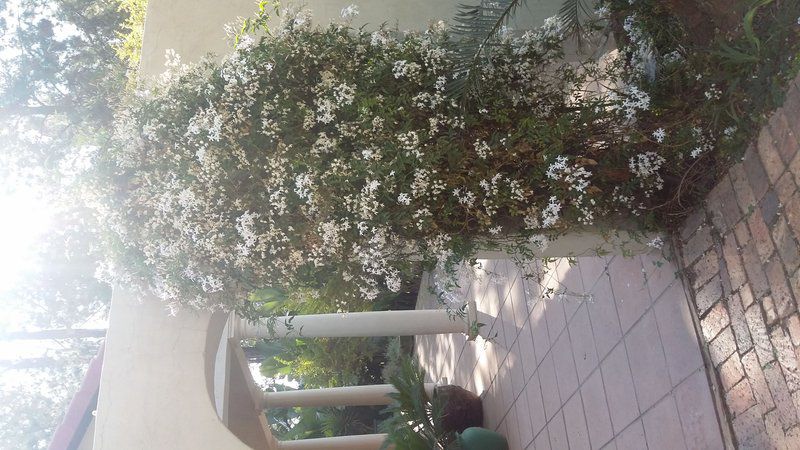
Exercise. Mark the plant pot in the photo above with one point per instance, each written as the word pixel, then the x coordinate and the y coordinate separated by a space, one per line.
pixel 476 438
pixel 462 408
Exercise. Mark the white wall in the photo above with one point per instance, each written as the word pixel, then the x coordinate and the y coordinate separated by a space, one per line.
pixel 195 28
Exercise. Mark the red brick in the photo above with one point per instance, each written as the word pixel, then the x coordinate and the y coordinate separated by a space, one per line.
pixel 793 439
pixel 722 205
pixel 693 223
pixel 740 398
pixel 758 381
pixel 793 324
pixel 761 237
pixel 742 233
pixel 699 243
pixel 794 169
pixel 742 189
pixel 739 323
pixel 733 262
pixel 786 244
pixel 792 211
pixel 746 294
pixel 705 268
pixel 730 372
pixel 769 206
pixel 723 346
pixel 709 294
pixel 777 437
pixel 785 187
pixel 784 303
pixel 750 430
pixel 783 135
pixel 770 312
pixel 758 331
pixel 716 319
pixel 786 357
pixel 755 271
pixel 756 175
pixel 780 395
pixel 770 158
pixel 794 282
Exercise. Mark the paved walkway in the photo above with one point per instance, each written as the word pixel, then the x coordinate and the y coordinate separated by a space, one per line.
pixel 741 251
pixel 610 360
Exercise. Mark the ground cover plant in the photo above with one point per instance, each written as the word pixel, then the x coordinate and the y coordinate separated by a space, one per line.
pixel 335 160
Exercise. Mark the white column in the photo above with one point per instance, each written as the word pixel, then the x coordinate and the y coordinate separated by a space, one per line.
pixel 356 324
pixel 370 395
pixel 360 442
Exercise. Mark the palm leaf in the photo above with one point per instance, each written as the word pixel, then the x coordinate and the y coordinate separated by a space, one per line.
pixel 570 14
pixel 475 28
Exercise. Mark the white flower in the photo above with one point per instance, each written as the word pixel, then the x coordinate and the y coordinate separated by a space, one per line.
pixel 728 132
pixel 550 214
pixel 404 199
pixel 659 135
pixel 482 148
pixel 349 12
pixel 657 242
pixel 495 230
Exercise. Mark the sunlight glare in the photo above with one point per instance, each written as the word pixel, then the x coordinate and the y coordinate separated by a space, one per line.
pixel 25 218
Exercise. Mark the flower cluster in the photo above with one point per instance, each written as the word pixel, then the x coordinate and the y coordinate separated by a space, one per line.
pixel 318 155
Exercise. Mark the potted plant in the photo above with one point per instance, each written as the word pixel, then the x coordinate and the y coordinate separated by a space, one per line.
pixel 444 421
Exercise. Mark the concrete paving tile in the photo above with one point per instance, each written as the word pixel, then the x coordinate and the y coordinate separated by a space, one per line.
pixel 570 277
pixel 518 301
pixel 504 382
pixel 510 329
pixel 591 267
pixel 556 319
pixel 632 438
pixel 549 386
pixel 662 426
pixel 697 414
pixel 583 348
pixel 610 446
pixel 677 332
pixel 523 415
pixel 514 367
pixel 660 273
pixel 630 290
pixel 526 351
pixel 598 421
pixel 603 315
pixel 541 339
pixel 558 433
pixel 565 367
pixel 647 362
pixel 577 434
pixel 512 429
pixel 541 442
pixel 535 404
pixel 620 392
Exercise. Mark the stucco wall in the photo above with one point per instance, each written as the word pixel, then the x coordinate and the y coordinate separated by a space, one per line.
pixel 196 28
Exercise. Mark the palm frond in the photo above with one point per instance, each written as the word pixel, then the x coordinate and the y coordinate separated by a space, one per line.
pixel 475 28
pixel 571 14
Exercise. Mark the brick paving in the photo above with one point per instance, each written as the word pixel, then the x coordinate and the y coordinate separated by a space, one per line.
pixel 611 360
pixel 740 251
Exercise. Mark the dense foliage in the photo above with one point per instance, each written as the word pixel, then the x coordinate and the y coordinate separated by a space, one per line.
pixel 312 154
